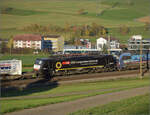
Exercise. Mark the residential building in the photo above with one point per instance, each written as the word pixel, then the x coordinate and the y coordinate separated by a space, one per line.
pixel 100 43
pixel 135 41
pixel 27 41
pixel 86 43
pixel 53 43
pixel 111 43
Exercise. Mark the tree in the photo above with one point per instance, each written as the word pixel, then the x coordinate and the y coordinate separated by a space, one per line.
pixel 77 42
pixel 81 12
pixel 103 31
pixel 124 29
pixel 95 29
pixel 105 49
pixel 147 26
pixel 3 47
pixel 87 31
pixel 10 44
pixel 67 30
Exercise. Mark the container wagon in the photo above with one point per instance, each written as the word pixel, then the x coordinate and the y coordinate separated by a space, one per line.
pixel 10 67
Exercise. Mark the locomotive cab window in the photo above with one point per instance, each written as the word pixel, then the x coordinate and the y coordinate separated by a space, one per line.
pixel 38 62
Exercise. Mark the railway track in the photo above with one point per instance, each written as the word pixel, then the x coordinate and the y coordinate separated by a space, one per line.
pixel 59 79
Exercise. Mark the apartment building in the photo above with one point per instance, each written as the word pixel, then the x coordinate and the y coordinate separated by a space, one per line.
pixel 27 41
pixel 135 41
pixel 53 43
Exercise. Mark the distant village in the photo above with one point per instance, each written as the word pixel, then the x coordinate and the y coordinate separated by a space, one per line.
pixel 56 44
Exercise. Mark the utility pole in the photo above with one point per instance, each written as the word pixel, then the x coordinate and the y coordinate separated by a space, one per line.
pixel 141 63
pixel 147 54
pixel 109 44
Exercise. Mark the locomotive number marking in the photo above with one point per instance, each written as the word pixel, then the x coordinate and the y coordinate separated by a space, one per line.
pixel 58 65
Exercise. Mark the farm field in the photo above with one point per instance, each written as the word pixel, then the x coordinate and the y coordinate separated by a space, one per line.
pixel 113 13
pixel 33 97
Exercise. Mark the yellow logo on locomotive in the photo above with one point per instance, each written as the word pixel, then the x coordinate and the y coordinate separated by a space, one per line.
pixel 58 65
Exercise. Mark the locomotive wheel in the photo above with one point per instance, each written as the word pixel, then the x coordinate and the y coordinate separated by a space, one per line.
pixel 67 72
pixel 106 69
pixel 36 74
pixel 49 74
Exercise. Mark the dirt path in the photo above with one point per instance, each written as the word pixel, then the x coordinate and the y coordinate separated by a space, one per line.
pixel 72 106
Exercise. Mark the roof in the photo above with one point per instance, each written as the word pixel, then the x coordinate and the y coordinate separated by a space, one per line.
pixel 52 36
pixel 27 37
pixel 111 38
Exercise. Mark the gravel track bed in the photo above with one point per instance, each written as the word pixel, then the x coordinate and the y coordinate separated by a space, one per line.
pixel 68 79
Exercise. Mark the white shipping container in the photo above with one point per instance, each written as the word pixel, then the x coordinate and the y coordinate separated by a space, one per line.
pixel 11 67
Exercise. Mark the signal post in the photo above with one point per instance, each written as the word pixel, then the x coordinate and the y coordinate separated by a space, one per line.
pixel 141 63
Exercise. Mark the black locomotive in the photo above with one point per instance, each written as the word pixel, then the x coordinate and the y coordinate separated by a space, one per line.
pixel 62 65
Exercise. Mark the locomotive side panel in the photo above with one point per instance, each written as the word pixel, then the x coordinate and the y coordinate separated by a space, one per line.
pixel 76 63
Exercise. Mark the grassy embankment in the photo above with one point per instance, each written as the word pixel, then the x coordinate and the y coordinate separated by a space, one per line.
pixel 139 105
pixel 115 13
pixel 70 91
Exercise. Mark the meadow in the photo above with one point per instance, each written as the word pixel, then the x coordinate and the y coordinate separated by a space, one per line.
pixel 27 59
pixel 109 13
pixel 38 96
pixel 138 105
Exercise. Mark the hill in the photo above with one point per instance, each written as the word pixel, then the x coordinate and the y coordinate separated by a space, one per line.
pixel 17 14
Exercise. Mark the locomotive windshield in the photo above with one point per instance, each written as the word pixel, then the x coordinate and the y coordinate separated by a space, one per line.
pixel 38 61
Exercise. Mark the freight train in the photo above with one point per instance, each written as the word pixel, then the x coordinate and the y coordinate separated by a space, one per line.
pixel 49 67
pixel 66 65
pixel 10 67
pixel 128 61
pixel 75 64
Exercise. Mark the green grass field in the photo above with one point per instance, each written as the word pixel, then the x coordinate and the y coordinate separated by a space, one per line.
pixel 70 92
pixel 27 59
pixel 60 12
pixel 138 105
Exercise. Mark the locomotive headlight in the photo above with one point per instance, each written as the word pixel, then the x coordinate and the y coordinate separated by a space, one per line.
pixel 36 67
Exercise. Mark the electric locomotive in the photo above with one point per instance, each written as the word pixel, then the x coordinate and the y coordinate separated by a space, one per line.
pixel 49 67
